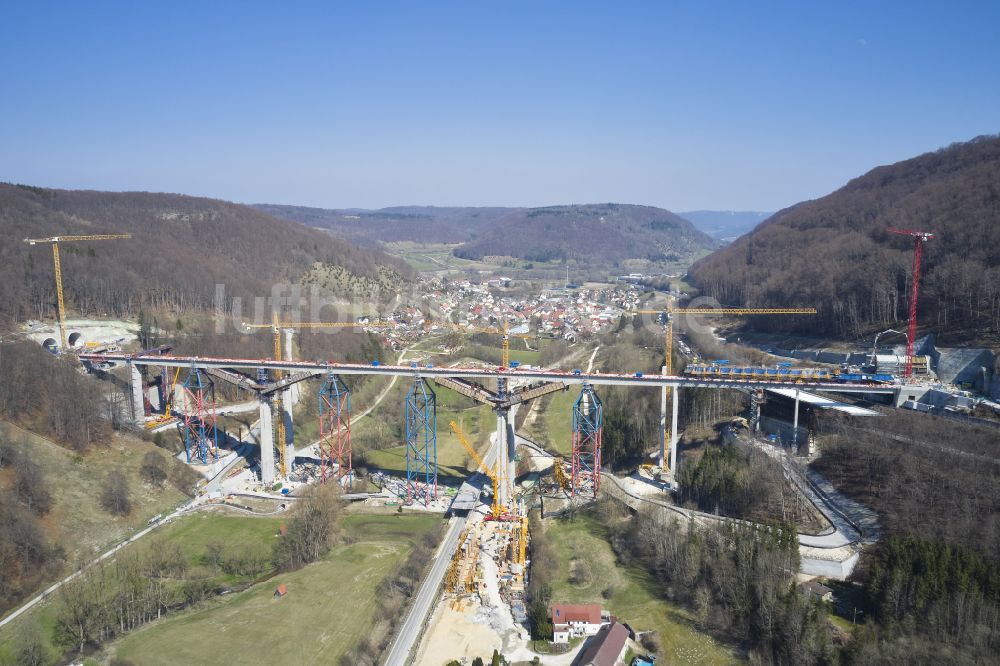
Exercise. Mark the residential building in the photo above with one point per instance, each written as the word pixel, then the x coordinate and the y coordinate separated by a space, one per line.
pixel 606 648
pixel 573 620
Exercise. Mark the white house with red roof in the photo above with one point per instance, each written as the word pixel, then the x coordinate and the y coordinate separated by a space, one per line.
pixel 572 620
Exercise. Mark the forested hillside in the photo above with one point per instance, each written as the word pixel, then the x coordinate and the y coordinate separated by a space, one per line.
pixel 836 254
pixel 593 232
pixel 607 233
pixel 424 224
pixel 182 247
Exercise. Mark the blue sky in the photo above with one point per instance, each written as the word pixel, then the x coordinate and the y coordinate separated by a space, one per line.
pixel 685 105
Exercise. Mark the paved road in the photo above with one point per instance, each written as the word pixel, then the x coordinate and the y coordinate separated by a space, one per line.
pixel 410 630
pixel 405 643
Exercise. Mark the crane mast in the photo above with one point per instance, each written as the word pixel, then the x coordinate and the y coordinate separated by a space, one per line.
pixel 919 238
pixel 57 267
pixel 668 346
pixel 492 473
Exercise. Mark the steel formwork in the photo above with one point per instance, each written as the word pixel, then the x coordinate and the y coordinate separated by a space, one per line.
pixel 201 439
pixel 588 423
pixel 421 443
pixel 335 429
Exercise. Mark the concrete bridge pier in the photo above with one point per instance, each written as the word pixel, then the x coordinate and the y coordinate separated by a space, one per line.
pixel 506 451
pixel 663 422
pixel 673 436
pixel 266 443
pixel 136 390
pixel 289 396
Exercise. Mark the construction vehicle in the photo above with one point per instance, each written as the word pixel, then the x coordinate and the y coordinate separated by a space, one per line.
pixel 54 242
pixel 560 472
pixel 649 471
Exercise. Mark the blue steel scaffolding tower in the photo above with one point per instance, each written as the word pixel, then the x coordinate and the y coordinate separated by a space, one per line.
pixel 588 422
pixel 201 438
pixel 421 443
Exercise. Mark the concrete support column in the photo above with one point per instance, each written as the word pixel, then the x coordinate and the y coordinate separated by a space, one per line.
pixel 673 437
pixel 795 423
pixel 663 421
pixel 511 451
pixel 288 399
pixel 500 441
pixel 136 390
pixel 266 443
pixel 286 414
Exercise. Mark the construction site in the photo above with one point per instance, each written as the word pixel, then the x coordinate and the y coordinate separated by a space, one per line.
pixel 488 565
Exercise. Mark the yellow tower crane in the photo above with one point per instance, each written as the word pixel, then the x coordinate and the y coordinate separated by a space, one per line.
pixel 495 509
pixel 277 326
pixel 54 242
pixel 504 333
pixel 668 346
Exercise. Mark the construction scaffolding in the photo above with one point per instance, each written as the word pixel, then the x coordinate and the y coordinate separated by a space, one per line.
pixel 201 439
pixel 421 443
pixel 588 422
pixel 335 429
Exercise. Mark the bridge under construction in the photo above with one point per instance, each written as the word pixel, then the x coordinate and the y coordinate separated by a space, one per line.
pixel 197 410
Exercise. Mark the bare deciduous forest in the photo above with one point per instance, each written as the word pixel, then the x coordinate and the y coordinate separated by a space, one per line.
pixel 49 395
pixel 836 254
pixel 926 476
pixel 182 247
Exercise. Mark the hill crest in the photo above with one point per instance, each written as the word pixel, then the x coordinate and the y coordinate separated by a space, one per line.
pixel 181 248
pixel 835 252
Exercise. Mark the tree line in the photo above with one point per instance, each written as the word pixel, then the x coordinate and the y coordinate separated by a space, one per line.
pixel 48 395
pixel 736 578
pixel 140 584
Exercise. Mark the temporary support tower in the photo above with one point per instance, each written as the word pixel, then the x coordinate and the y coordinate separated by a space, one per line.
pixel 335 428
pixel 421 443
pixel 201 439
pixel 588 422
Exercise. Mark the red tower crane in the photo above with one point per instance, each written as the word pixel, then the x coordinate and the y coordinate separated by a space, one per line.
pixel 919 238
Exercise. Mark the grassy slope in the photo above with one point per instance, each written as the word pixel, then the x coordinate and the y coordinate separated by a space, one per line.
pixel 553 427
pixel 476 421
pixel 77 521
pixel 632 598
pixel 193 533
pixel 314 623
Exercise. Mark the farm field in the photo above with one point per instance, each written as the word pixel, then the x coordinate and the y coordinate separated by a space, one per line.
pixel 311 624
pixel 552 428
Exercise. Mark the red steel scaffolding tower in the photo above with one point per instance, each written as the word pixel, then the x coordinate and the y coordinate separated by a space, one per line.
pixel 919 238
pixel 335 429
